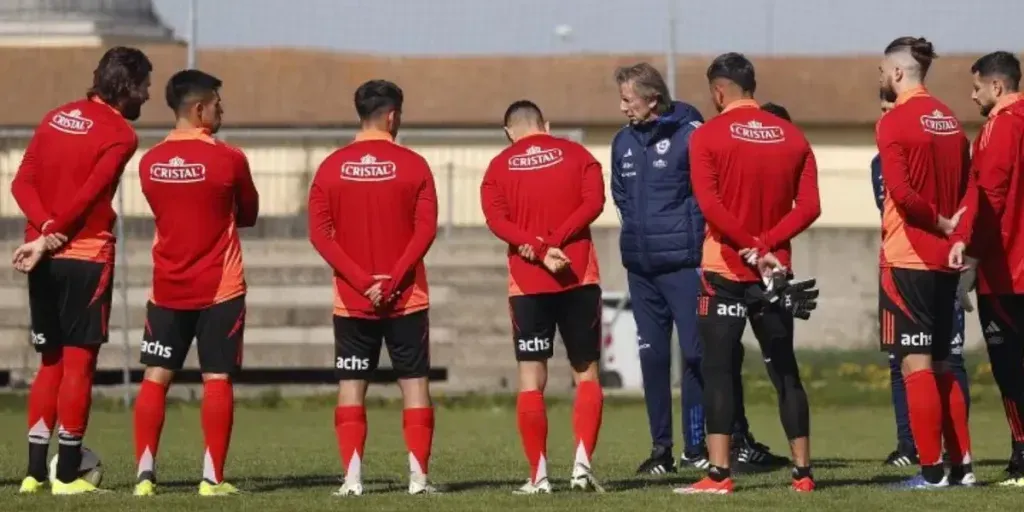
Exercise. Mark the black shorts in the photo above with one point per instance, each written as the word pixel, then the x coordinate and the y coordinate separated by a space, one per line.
pixel 357 344
pixel 218 330
pixel 1002 319
pixel 723 309
pixel 915 311
pixel 69 302
pixel 576 313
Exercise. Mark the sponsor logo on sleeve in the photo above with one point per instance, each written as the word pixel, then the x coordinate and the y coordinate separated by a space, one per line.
pixel 755 131
pixel 535 159
pixel 177 170
pixel 368 168
pixel 71 122
pixel 938 123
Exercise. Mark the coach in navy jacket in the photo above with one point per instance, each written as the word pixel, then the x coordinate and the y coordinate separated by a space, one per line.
pixel 661 238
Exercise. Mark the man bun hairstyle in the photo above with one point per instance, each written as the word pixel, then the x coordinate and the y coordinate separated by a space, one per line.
pixel 120 72
pixel 919 48
pixel 1002 65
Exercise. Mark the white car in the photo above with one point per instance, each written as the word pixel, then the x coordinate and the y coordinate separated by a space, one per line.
pixel 620 355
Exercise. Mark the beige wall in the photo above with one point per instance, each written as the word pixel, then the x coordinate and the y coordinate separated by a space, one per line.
pixel 282 170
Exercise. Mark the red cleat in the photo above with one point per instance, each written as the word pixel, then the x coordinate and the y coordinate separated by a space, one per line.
pixel 707 486
pixel 805 484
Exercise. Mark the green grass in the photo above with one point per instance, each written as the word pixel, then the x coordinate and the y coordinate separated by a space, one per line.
pixel 286 459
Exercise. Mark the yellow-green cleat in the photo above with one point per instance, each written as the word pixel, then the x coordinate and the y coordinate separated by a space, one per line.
pixel 79 486
pixel 145 488
pixel 31 486
pixel 222 489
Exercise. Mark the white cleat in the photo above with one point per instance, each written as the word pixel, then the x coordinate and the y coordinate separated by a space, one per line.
pixel 350 489
pixel 419 485
pixel 530 487
pixel 583 480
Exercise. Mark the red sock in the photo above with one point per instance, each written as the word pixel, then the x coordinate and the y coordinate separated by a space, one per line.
pixel 418 427
pixel 586 419
pixel 955 430
pixel 350 428
pixel 149 423
pixel 218 415
pixel 533 430
pixel 42 398
pixel 925 409
pixel 75 395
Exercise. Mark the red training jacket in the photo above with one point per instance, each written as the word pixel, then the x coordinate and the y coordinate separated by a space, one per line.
pixel 545 191
pixel 201 191
pixel 373 211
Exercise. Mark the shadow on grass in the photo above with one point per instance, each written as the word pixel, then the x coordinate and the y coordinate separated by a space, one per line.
pixel 478 485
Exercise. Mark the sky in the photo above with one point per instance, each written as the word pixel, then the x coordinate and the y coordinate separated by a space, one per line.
pixel 456 27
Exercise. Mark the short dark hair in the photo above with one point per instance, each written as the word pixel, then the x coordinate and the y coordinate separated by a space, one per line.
pixel 735 68
pixel 119 73
pixel 523 110
pixel 188 87
pixel 920 49
pixel 377 97
pixel 1004 65
pixel 777 110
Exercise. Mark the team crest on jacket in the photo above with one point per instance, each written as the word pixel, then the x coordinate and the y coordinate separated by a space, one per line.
pixel 535 159
pixel 177 170
pixel 662 146
pixel 71 122
pixel 368 169
pixel 940 124
pixel 756 131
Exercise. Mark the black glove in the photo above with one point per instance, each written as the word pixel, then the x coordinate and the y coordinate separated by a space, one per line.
pixel 800 298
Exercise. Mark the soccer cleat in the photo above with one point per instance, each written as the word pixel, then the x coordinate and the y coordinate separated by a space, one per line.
pixel 707 486
pixel 962 474
pixel 31 486
pixel 419 485
pixel 79 486
pixel 659 463
pixel 530 487
pixel 746 450
pixel 919 483
pixel 207 488
pixel 145 488
pixel 901 459
pixel 697 459
pixel 350 489
pixel 583 479
pixel 1014 471
pixel 805 484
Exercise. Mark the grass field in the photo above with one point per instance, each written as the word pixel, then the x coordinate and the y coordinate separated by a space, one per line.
pixel 286 459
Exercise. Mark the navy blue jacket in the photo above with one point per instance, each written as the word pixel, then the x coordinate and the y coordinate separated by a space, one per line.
pixel 662 227
pixel 876 181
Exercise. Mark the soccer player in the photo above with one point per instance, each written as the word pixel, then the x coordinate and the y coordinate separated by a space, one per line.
pixel 201 191
pixel 998 242
pixel 905 453
pixel 372 217
pixel 756 181
pixel 925 168
pixel 65 184
pixel 776 110
pixel 540 196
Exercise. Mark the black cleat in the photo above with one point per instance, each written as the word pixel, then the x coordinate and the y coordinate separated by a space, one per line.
pixel 747 451
pixel 659 463
pixel 901 458
pixel 696 459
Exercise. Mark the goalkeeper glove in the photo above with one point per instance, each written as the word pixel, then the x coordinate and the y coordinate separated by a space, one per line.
pixel 799 298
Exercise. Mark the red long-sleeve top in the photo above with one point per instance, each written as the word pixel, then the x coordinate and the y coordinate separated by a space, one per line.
pixel 373 212
pixel 925 160
pixel 998 240
pixel 201 191
pixel 69 174
pixel 545 191
pixel 756 181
